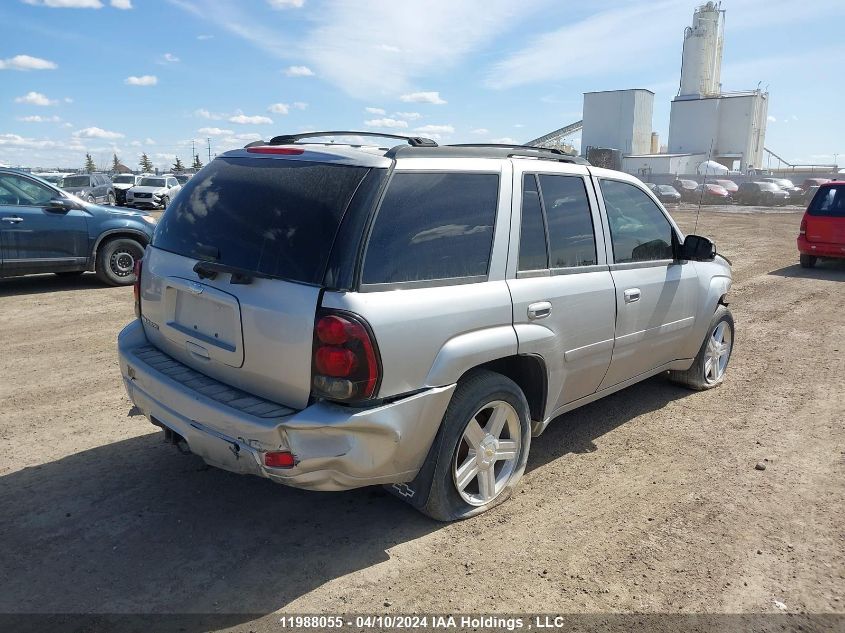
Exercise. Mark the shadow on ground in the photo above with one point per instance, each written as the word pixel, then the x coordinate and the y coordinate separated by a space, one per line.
pixel 37 284
pixel 828 269
pixel 134 527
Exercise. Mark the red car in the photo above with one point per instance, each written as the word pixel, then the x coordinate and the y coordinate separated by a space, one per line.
pixel 709 193
pixel 822 232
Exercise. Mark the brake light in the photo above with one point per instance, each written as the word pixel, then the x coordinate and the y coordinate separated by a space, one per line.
pixel 263 149
pixel 802 230
pixel 136 287
pixel 345 363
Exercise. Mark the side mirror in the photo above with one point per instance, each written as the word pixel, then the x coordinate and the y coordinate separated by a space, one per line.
pixel 61 204
pixel 697 249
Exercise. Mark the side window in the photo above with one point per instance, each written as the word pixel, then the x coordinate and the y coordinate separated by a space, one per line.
pixel 171 182
pixel 433 226
pixel 532 234
pixel 98 181
pixel 572 241
pixel 638 229
pixel 17 191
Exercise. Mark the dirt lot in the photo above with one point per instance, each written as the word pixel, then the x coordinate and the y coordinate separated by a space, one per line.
pixel 646 501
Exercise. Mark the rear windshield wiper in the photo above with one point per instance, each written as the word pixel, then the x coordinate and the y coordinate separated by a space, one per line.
pixel 210 270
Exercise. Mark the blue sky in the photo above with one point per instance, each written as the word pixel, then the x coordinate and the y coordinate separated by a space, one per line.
pixel 132 76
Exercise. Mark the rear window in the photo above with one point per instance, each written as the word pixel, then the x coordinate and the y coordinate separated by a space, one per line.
pixel 75 181
pixel 828 202
pixel 433 226
pixel 768 186
pixel 274 217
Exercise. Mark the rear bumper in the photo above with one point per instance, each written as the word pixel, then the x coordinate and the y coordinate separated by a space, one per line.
pixel 335 447
pixel 820 249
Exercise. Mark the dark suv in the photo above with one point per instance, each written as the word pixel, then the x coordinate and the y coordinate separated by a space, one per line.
pixel 761 193
pixel 90 187
pixel 46 230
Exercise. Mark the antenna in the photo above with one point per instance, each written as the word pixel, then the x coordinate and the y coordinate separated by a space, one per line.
pixel 703 187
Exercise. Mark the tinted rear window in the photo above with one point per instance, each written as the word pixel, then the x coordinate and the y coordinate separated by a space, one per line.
pixel 433 226
pixel 76 181
pixel 828 202
pixel 275 217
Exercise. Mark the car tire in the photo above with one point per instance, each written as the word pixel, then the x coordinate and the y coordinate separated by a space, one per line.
pixel 90 200
pixel 710 364
pixel 490 412
pixel 165 201
pixel 116 261
pixel 111 199
pixel 807 261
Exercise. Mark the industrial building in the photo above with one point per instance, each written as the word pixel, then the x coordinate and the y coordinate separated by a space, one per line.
pixel 706 124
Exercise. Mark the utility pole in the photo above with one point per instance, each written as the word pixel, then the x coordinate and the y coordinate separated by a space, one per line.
pixel 209 148
pixel 193 151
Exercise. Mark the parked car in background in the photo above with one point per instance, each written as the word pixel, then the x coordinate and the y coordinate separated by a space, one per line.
pixel 730 186
pixel 122 183
pixel 808 195
pixel 53 177
pixel 667 194
pixel 93 188
pixel 787 185
pixel 153 192
pixel 822 232
pixel 813 182
pixel 761 193
pixel 46 230
pixel 686 188
pixel 183 178
pixel 708 193
pixel 271 339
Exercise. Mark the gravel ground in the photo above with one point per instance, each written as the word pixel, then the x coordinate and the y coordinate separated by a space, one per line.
pixel 646 501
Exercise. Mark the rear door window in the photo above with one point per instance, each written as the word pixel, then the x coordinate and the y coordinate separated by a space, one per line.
pixel 828 202
pixel 274 217
pixel 433 226
pixel 638 229
pixel 532 234
pixel 572 241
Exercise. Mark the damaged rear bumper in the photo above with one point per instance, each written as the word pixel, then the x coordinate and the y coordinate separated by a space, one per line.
pixel 335 447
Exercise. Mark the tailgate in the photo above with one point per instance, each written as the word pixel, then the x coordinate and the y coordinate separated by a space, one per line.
pixel 258 340
pixel 826 229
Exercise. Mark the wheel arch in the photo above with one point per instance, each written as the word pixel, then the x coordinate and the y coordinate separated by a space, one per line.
pixel 112 234
pixel 530 374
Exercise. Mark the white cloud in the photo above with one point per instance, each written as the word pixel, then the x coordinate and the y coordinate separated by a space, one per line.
pixel 378 111
pixel 36 118
pixel 393 123
pixel 300 105
pixel 149 141
pixel 243 119
pixel 279 108
pixel 96 132
pixel 202 113
pixel 213 131
pixel 35 98
pixel 481 130
pixel 66 4
pixel 15 140
pixel 389 48
pixel 408 116
pixel 169 58
pixel 435 129
pixel 135 144
pixel 505 140
pixel 299 71
pixel 423 97
pixel 68 100
pixel 205 37
pixel 771 119
pixel 143 80
pixel 26 62
pixel 286 4
pixel 122 4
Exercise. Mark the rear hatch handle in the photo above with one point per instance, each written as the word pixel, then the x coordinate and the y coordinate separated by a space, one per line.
pixel 210 270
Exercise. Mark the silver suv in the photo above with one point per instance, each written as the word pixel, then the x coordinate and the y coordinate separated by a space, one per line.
pixel 332 316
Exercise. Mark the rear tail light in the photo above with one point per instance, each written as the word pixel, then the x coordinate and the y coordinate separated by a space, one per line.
pixel 136 287
pixel 279 459
pixel 802 230
pixel 345 364
pixel 284 151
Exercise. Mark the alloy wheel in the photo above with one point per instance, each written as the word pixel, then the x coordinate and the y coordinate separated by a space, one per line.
pixel 718 352
pixel 487 453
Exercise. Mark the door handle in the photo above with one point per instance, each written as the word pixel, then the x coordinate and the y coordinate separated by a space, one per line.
pixel 539 310
pixel 632 295
pixel 12 219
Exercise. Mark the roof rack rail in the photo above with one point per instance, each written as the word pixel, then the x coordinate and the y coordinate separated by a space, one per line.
pixel 514 146
pixel 289 139
pixel 529 151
